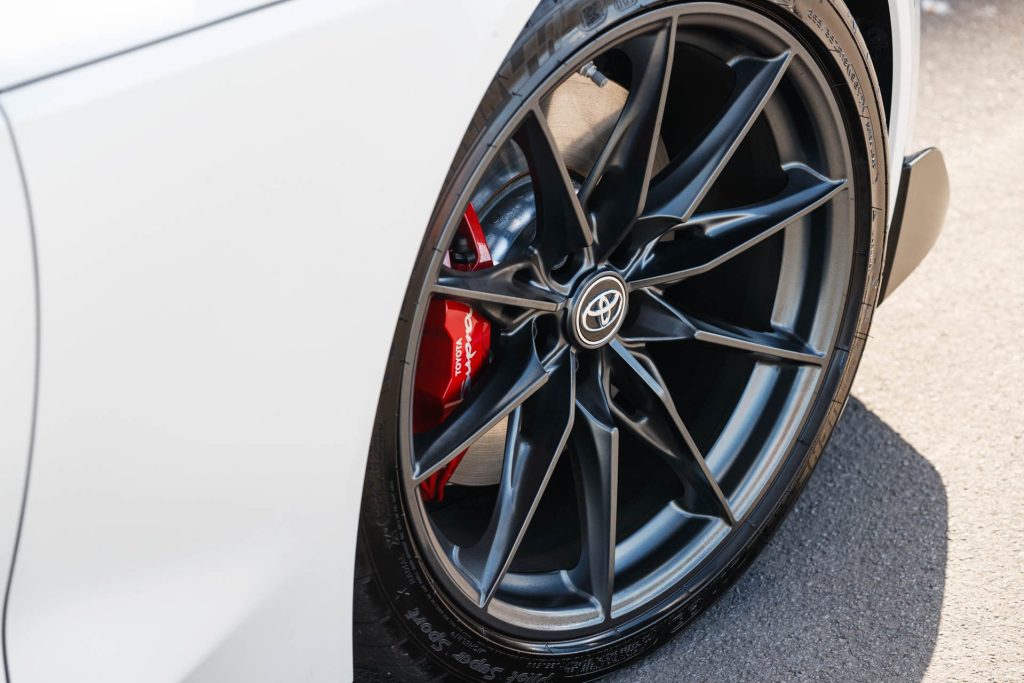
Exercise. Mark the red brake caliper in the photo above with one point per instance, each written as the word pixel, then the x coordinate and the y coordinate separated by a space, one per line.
pixel 454 348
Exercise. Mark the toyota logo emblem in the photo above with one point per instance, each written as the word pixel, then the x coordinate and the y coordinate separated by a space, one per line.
pixel 599 310
pixel 602 312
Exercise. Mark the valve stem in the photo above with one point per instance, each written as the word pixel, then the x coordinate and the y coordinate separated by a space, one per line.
pixel 591 71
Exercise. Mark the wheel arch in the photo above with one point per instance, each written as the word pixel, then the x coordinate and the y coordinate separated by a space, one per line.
pixel 875 23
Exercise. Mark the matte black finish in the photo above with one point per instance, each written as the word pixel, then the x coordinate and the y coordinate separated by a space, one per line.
pixel 627 485
pixel 582 303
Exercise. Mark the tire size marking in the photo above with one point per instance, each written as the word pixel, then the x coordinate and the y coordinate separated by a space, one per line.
pixel 858 90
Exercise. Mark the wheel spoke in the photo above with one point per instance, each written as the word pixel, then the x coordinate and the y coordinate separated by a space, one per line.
pixel 710 239
pixel 615 191
pixel 596 454
pixel 537 433
pixel 505 386
pixel 652 319
pixel 678 190
pixel 562 227
pixel 500 286
pixel 656 320
pixel 777 345
pixel 656 422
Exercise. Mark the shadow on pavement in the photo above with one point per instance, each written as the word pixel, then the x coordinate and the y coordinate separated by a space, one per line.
pixel 850 588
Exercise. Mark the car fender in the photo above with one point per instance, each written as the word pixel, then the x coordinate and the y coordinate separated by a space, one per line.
pixel 225 223
pixel 18 337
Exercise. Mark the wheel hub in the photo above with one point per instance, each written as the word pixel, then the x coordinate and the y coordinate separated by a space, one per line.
pixel 598 310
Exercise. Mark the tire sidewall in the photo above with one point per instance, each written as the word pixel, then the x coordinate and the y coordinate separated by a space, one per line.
pixel 432 622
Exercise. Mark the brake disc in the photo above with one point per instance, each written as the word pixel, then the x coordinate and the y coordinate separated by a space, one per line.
pixel 581 115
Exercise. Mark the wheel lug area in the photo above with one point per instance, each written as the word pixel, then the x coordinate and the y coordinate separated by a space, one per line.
pixel 597 309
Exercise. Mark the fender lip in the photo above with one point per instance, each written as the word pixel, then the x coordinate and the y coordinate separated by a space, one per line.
pixel 919 213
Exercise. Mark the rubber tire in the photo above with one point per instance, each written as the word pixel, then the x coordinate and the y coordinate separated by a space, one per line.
pixel 404 628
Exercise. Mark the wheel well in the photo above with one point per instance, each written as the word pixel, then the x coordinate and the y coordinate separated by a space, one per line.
pixel 872 18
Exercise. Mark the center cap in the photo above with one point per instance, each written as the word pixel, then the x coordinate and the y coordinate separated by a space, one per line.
pixel 599 310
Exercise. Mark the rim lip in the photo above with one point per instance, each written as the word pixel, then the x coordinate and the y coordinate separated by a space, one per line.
pixel 719 538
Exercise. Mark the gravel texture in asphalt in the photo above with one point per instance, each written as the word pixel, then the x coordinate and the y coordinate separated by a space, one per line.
pixel 904 558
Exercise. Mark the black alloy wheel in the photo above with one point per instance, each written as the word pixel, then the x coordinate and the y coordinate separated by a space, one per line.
pixel 678 299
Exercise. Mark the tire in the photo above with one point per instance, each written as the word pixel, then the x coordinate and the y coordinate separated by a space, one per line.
pixel 407 624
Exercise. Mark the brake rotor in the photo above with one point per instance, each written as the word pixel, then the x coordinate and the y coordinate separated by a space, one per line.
pixel 581 115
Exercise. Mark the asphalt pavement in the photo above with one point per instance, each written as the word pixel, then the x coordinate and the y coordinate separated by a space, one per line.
pixel 904 558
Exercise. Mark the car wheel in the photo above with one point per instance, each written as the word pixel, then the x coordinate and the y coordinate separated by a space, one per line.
pixel 631 329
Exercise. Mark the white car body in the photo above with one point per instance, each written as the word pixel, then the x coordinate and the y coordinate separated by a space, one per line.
pixel 209 210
